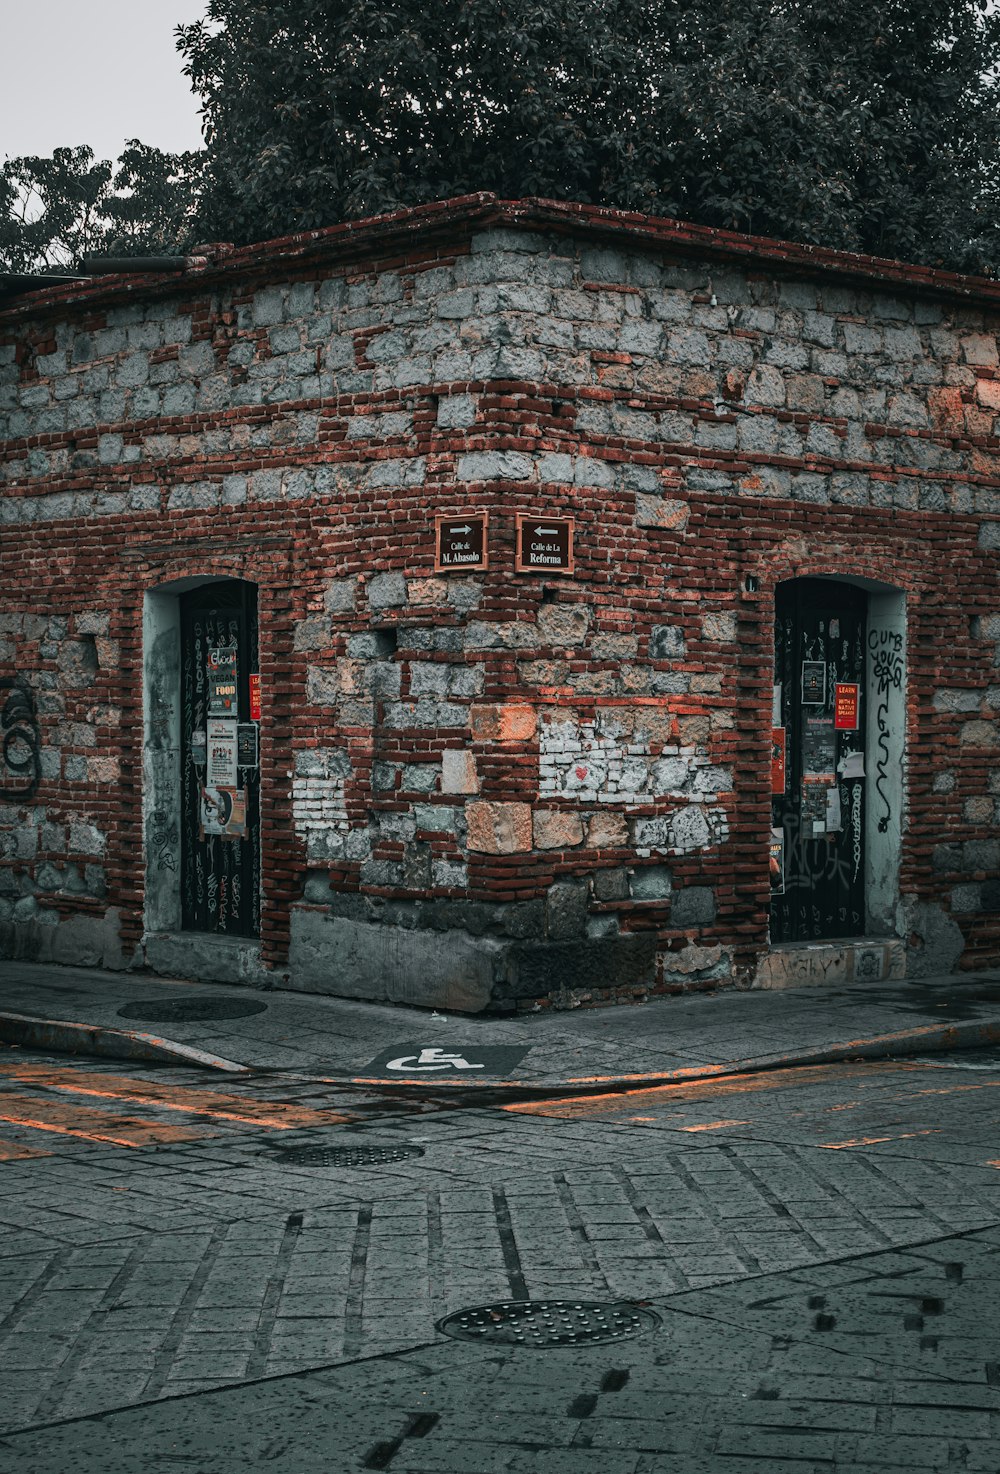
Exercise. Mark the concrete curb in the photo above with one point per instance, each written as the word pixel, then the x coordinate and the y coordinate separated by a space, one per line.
pixel 57 1036
pixel 929 1039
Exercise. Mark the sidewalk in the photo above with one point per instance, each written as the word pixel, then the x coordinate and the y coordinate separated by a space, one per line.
pixel 139 1017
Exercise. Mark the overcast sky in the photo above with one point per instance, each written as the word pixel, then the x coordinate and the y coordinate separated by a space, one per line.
pixel 95 72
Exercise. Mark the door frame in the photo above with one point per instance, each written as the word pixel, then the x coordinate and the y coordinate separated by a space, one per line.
pixel 885 748
pixel 161 796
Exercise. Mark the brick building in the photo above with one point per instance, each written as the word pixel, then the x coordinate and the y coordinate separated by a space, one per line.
pixel 501 602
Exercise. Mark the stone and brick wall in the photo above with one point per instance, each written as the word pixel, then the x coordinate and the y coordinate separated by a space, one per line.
pixel 542 787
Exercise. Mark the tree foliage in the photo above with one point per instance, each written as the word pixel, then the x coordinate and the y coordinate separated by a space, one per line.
pixel 860 126
pixel 55 210
pixel 847 124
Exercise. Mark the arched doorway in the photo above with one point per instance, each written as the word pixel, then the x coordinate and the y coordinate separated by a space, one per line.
pixel 838 718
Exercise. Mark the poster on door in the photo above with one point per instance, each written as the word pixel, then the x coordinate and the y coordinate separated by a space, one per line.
pixel 222 678
pixel 222 753
pixel 778 776
pixel 223 812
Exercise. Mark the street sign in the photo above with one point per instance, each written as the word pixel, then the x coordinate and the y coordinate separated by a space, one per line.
pixel 544 544
pixel 460 542
pixel 445 1062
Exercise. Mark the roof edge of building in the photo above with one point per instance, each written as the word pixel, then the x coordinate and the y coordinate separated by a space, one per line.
pixel 411 226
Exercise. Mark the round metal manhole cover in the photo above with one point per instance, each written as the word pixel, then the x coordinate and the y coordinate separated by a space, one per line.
pixel 544 1323
pixel 190 1010
pixel 346 1156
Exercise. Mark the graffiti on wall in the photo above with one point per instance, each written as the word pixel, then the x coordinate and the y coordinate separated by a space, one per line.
pixel 886 648
pixel 22 742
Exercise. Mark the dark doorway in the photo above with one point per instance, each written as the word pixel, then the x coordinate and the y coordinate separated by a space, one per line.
pixel 220 774
pixel 818 763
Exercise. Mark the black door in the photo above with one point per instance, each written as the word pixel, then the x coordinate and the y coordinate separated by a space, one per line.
pixel 220 787
pixel 818 784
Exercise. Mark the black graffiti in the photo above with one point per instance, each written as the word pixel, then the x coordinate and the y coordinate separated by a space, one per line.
pixel 886 647
pixel 22 740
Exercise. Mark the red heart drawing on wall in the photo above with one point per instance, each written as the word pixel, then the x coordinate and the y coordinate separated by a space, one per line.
pixel 581 773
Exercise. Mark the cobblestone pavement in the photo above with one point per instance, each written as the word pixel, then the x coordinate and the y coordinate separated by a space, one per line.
pixel 822 1244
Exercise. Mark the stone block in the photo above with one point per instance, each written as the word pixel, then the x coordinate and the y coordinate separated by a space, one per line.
pixel 610 885
pixel 663 512
pixel 494 465
pixel 693 906
pixel 503 723
pixel 608 831
pixel 566 910
pixel 354 959
pixel 563 624
pixel 496 828
pixel 719 628
pixel 557 829
pixel 980 734
pixel 312 633
pixel 458 771
pixel 666 642
pixel 651 883
pixel 387 590
pixel 545 968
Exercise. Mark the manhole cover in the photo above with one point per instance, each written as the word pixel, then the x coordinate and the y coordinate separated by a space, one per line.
pixel 542 1323
pixel 184 1010
pixel 345 1156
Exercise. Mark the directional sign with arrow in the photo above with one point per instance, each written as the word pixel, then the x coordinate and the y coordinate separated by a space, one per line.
pixel 460 542
pixel 544 544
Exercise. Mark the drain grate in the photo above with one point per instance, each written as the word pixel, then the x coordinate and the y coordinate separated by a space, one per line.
pixel 345 1156
pixel 544 1323
pixel 189 1010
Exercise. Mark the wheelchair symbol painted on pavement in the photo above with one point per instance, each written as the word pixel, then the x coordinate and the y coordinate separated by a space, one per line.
pixel 432 1059
pixel 445 1062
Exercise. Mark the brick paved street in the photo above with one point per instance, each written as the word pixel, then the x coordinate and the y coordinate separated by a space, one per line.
pixel 822 1244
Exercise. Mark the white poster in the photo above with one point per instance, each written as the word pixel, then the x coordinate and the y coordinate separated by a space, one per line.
pixel 222 737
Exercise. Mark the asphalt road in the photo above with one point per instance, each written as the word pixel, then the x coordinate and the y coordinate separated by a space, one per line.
pixel 820 1246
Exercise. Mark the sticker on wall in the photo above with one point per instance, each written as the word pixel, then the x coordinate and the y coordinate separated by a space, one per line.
pixel 255 697
pixel 813 810
pixel 852 765
pixel 199 747
pixel 246 745
pixel 818 745
pixel 778 760
pixel 846 706
pixel 222 681
pixel 777 862
pixel 222 763
pixel 776 705
pixel 832 818
pixel 814 683
pixel 223 812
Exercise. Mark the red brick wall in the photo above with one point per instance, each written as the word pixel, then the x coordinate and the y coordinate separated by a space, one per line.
pixel 297 419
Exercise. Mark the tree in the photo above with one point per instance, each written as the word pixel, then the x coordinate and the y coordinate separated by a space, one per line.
pixel 864 127
pixel 55 210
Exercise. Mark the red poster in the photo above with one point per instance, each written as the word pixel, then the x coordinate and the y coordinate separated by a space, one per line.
pixel 846 702
pixel 777 759
pixel 255 698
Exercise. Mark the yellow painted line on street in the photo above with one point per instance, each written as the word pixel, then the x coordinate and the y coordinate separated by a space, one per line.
pixel 839 1146
pixel 213 1103
pixel 16 1151
pixel 713 1126
pixel 65 1118
pixel 660 1095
